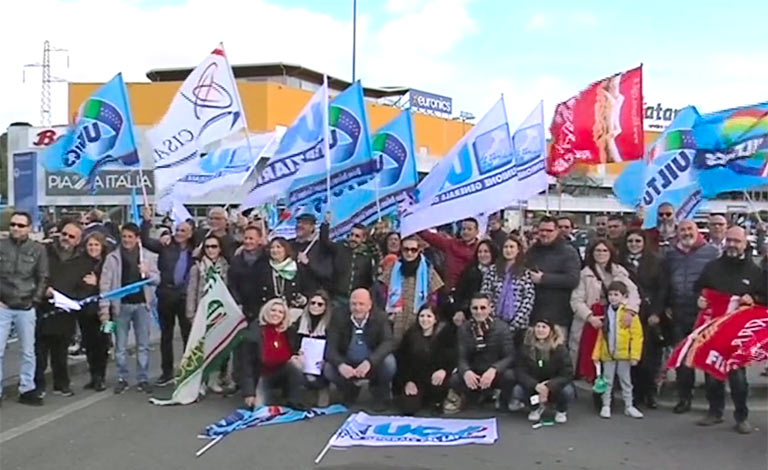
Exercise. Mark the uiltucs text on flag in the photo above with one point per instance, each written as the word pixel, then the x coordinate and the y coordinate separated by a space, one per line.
pixel 102 137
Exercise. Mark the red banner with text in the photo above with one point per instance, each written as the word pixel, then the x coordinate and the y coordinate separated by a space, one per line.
pixel 602 124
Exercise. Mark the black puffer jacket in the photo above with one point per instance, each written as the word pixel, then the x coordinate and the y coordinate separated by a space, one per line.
pixel 535 365
pixel 23 273
pixel 682 272
pixel 561 266
pixel 499 351
pixel 735 276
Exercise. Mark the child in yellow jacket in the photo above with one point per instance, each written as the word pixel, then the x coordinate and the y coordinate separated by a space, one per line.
pixel 618 348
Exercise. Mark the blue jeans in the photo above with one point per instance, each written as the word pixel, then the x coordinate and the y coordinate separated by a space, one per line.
pixel 138 315
pixel 380 377
pixel 25 327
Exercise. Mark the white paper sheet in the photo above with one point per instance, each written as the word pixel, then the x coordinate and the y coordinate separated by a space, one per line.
pixel 313 350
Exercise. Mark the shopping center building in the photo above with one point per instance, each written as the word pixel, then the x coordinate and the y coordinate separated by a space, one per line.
pixel 272 96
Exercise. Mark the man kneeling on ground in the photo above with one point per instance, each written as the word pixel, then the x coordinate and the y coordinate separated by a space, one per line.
pixel 486 353
pixel 359 347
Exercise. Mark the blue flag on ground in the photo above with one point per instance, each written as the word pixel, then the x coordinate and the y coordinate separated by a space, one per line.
pixel 393 150
pixel 103 135
pixel 351 159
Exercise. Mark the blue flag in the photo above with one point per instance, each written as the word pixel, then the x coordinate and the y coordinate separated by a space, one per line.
pixel 102 135
pixel 668 177
pixel 351 159
pixel 393 149
pixel 732 149
pixel 135 212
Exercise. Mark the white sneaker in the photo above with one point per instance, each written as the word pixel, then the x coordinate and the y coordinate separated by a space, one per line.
pixel 535 415
pixel 605 412
pixel 515 405
pixel 561 417
pixel 213 386
pixel 633 412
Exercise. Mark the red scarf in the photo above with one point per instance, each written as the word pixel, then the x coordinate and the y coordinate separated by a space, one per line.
pixel 275 349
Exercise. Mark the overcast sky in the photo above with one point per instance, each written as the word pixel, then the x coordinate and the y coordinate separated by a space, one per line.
pixel 709 56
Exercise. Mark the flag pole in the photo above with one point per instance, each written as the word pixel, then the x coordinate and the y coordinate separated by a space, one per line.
pixel 326 142
pixel 333 437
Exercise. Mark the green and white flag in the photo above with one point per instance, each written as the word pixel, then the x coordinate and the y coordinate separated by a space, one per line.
pixel 215 332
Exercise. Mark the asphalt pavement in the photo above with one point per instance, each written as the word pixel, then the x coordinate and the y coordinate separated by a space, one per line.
pixel 101 431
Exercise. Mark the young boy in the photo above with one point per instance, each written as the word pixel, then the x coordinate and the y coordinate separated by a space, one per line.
pixel 618 348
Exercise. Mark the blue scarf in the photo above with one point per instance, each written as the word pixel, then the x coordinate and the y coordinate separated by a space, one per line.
pixel 421 292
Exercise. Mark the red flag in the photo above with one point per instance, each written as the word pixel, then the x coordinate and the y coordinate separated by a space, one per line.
pixel 602 124
pixel 714 346
pixel 718 304
pixel 755 350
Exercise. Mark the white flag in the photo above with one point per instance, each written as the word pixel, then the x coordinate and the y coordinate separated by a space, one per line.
pixel 206 109
pixel 529 144
pixel 303 144
pixel 217 323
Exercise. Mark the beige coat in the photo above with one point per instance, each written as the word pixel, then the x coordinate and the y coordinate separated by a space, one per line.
pixel 589 292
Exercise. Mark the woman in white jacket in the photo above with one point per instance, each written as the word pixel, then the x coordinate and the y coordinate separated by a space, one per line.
pixel 588 302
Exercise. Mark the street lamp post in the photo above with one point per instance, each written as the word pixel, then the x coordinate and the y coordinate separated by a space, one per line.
pixel 354 36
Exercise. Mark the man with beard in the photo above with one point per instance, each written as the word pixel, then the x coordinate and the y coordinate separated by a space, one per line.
pixel 661 236
pixel 353 263
pixel 68 268
pixel 733 273
pixel 684 262
pixel 312 255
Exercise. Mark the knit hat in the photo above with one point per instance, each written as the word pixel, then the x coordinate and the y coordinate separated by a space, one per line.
pixel 546 322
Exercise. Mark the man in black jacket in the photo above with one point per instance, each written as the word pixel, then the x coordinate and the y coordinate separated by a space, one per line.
pixel 243 271
pixel 733 273
pixel 68 269
pixel 173 261
pixel 555 267
pixel 486 354
pixel 312 254
pixel 359 347
pixel 23 278
pixel 353 263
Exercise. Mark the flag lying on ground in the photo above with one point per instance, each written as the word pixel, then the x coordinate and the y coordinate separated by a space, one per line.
pixel 480 174
pixel 244 418
pixel 667 176
pixel 602 124
pixel 393 149
pixel 206 109
pixel 215 332
pixel 711 347
pixel 361 429
pixel 351 158
pixel 102 135
pixel 303 143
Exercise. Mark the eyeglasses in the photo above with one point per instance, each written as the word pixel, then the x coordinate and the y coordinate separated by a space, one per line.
pixel 410 250
pixel 666 214
pixel 17 225
pixel 317 304
pixel 210 247
pixel 68 235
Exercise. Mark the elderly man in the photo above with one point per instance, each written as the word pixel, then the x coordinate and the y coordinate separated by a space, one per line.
pixel 23 278
pixel 684 262
pixel 312 255
pixel 733 273
pixel 486 353
pixel 218 224
pixel 69 269
pixel 555 267
pixel 717 225
pixel 359 347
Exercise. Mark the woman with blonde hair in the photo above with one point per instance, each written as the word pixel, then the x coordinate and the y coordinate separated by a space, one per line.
pixel 267 360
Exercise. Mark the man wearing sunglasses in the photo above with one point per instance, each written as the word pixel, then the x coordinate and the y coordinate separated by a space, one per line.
pixel 660 236
pixel 353 262
pixel 23 277
pixel 68 267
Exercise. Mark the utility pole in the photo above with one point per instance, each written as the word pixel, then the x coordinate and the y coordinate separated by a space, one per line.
pixel 354 36
pixel 47 79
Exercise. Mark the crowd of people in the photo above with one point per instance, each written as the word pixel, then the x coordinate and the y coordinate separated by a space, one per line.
pixel 431 321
